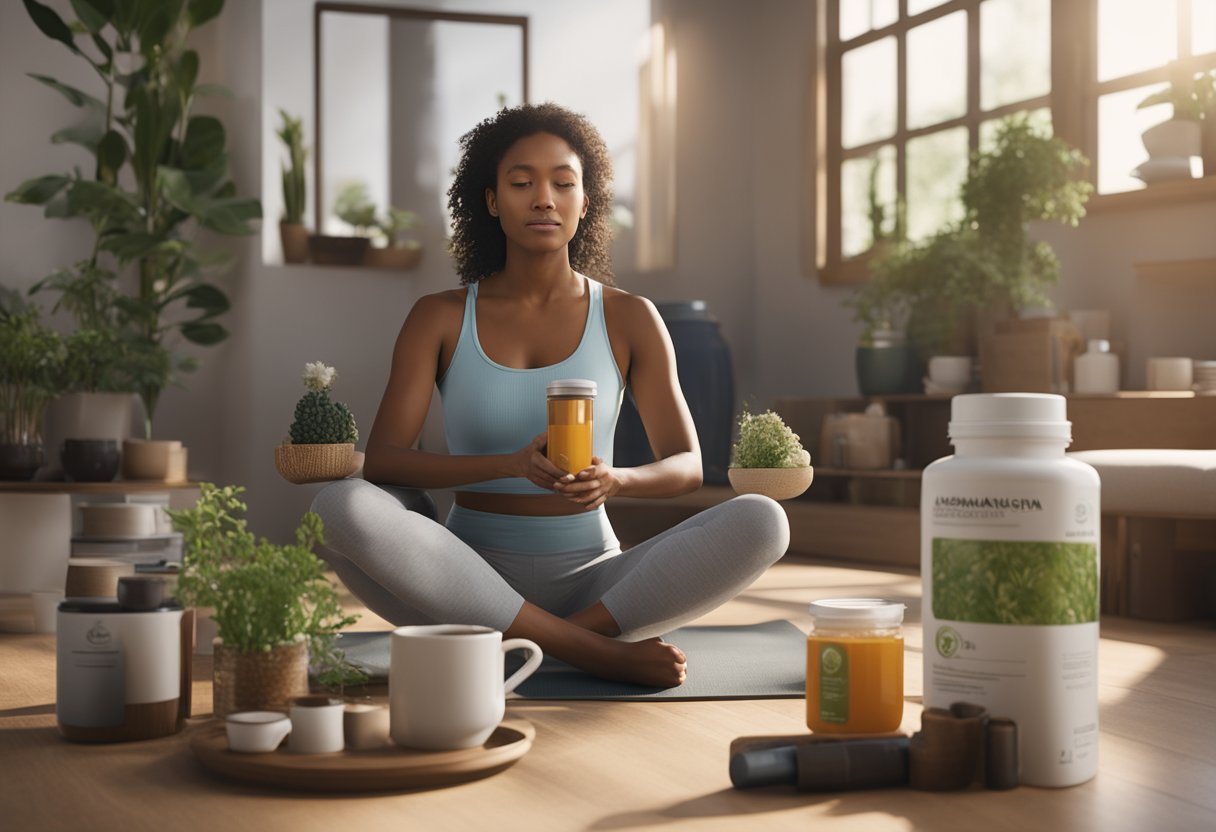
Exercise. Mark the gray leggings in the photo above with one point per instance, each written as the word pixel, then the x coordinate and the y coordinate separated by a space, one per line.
pixel 409 569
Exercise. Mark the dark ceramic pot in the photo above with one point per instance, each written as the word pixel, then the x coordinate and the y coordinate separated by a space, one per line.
pixel 886 370
pixel 90 460
pixel 19 462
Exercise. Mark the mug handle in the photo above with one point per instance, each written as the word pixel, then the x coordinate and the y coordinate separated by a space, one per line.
pixel 530 665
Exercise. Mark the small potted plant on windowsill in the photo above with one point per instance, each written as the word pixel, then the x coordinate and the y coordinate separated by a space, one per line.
pixel 399 251
pixel 292 233
pixel 769 458
pixel 1171 143
pixel 354 207
pixel 321 445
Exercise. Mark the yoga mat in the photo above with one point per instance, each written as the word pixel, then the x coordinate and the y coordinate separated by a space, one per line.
pixel 755 661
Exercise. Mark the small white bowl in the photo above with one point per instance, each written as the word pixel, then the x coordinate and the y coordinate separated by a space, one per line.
pixel 256 732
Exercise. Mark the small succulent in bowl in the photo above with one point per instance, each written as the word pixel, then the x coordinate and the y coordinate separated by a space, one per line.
pixel 769 458
pixel 318 419
pixel 323 433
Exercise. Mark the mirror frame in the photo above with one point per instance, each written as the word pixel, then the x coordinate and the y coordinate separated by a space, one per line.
pixel 400 13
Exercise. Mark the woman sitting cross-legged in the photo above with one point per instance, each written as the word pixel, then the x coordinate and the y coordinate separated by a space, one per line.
pixel 527 547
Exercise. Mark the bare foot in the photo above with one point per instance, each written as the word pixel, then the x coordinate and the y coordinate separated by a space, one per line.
pixel 651 662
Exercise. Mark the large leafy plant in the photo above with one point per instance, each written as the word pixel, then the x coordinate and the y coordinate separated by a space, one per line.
pixel 987 259
pixel 160 174
pixel 264 594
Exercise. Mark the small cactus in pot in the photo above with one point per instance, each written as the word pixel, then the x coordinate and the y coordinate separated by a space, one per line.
pixel 323 432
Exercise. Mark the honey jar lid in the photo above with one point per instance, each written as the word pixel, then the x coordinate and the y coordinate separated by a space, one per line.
pixel 862 612
pixel 580 387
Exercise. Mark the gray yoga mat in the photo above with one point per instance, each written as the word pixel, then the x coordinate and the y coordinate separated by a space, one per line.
pixel 756 661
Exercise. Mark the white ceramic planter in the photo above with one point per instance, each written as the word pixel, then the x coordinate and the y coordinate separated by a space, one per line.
pixel 1172 139
pixel 85 416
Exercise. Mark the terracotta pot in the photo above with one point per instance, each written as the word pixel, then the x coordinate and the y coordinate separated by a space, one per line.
pixel 259 680
pixel 294 238
pixel 162 460
pixel 337 251
pixel 402 258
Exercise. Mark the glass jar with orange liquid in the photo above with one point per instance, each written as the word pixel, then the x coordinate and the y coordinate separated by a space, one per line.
pixel 571 407
pixel 855 666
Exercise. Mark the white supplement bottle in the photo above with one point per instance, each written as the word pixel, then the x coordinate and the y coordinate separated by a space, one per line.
pixel 1009 566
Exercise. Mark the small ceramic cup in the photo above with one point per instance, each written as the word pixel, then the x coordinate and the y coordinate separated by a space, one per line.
pixel 316 725
pixel 950 370
pixel 365 725
pixel 256 732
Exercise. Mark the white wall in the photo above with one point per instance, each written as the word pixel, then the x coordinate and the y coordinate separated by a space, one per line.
pixel 744 76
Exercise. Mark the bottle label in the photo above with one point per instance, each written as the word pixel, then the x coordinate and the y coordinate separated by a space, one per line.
pixel 833 683
pixel 1015 581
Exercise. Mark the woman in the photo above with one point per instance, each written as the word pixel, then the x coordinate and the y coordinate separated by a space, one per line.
pixel 528 548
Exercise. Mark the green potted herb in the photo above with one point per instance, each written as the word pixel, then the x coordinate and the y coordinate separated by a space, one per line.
pixel 400 251
pixel 292 233
pixel 160 176
pixel 31 370
pixel 321 444
pixel 272 604
pixel 768 458
pixel 355 208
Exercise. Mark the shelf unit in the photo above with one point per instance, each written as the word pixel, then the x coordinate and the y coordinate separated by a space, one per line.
pixel 872 517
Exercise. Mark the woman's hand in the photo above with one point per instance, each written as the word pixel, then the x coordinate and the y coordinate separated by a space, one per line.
pixel 590 487
pixel 535 466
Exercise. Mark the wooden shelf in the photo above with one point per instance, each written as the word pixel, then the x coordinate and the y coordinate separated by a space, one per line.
pixel 880 473
pixel 116 487
pixel 1203 268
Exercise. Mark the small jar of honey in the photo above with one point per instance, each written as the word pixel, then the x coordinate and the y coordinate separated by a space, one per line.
pixel 571 406
pixel 855 666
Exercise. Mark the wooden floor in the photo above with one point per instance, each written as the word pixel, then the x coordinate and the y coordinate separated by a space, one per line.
pixel 627 766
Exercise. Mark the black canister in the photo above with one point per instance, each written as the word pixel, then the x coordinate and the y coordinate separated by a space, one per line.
pixel 703 362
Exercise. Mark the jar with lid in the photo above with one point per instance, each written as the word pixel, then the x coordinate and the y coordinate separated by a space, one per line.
pixel 855 666
pixel 571 423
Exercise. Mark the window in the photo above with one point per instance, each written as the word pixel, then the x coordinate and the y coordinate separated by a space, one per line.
pixel 909 88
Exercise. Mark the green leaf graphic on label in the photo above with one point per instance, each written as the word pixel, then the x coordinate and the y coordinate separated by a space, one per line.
pixel 833 684
pixel 947 641
pixel 1015 582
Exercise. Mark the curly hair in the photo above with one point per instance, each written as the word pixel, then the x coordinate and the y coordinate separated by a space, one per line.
pixel 478 243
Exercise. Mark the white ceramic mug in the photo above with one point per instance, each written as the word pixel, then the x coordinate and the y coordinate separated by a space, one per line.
pixel 316 725
pixel 445 684
pixel 1170 373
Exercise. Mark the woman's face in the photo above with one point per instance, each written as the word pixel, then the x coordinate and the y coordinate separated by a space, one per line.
pixel 539 197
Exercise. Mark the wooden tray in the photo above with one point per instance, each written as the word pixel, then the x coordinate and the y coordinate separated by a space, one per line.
pixel 380 769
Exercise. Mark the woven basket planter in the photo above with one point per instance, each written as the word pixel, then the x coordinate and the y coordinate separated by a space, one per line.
pixel 777 483
pixel 315 463
pixel 259 680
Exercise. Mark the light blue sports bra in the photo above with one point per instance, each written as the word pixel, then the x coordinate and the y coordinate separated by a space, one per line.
pixel 492 409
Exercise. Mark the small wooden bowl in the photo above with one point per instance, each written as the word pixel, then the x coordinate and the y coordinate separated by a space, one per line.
pixel 777 483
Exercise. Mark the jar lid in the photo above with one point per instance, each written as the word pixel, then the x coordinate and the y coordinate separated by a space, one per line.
pixel 572 387
pixel 1009 416
pixel 872 612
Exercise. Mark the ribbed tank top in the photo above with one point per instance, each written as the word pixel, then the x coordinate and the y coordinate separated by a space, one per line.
pixel 492 409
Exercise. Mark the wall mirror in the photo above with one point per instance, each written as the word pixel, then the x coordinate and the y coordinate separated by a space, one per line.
pixel 381 120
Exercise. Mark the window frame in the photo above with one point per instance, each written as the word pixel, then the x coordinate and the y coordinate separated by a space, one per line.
pixel 1072 100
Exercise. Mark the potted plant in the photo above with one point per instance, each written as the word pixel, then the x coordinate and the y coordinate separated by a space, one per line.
pixel 160 176
pixel 292 233
pixel 399 251
pixel 1171 143
pixel 354 207
pixel 31 360
pixel 321 445
pixel 769 458
pixel 986 266
pixel 271 603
